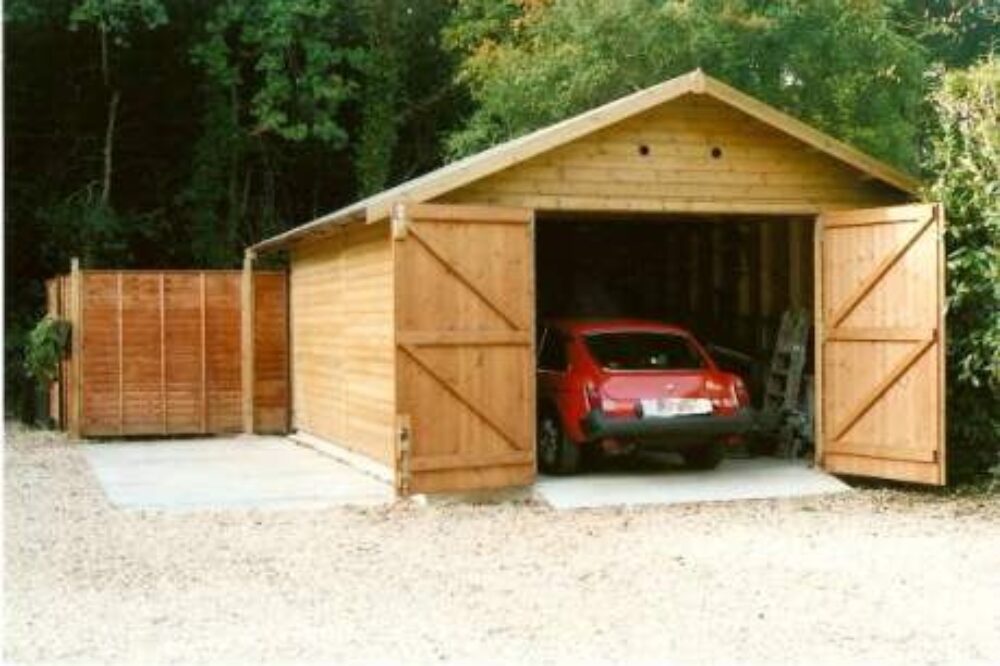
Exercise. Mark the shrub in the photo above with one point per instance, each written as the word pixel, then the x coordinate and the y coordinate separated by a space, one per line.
pixel 46 345
pixel 964 159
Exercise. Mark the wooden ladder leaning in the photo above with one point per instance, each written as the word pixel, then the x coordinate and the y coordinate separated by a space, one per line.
pixel 782 415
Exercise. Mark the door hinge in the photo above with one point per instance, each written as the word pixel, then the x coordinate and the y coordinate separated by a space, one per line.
pixel 403 451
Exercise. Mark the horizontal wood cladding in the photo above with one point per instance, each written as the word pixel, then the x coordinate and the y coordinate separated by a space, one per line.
pixel 694 154
pixel 159 352
pixel 341 326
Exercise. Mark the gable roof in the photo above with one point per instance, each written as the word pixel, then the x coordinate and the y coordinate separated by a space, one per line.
pixel 505 155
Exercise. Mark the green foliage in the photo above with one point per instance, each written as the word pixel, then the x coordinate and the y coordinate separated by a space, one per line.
pixel 955 32
pixel 46 346
pixel 841 65
pixel 383 68
pixel 96 233
pixel 119 17
pixel 289 56
pixel 964 156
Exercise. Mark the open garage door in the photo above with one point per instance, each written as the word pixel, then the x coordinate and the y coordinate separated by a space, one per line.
pixel 464 347
pixel 880 347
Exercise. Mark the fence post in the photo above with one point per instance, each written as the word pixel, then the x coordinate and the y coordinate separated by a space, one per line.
pixel 76 349
pixel 247 346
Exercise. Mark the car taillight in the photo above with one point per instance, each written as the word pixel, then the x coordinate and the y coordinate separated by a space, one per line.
pixel 742 394
pixel 591 396
pixel 613 407
pixel 723 396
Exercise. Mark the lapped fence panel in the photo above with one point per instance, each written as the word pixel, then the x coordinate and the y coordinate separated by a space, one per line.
pixel 159 352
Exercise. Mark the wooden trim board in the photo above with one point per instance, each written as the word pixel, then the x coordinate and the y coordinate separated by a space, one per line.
pixel 362 463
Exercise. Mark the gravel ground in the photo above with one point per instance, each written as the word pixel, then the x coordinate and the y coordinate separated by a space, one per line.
pixel 874 577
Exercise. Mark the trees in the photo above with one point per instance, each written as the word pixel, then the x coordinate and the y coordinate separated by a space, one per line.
pixel 838 64
pixel 964 162
pixel 174 132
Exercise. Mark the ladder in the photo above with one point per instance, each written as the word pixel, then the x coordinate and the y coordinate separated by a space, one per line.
pixel 781 413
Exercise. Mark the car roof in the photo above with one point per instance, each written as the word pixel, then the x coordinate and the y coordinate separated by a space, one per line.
pixel 584 326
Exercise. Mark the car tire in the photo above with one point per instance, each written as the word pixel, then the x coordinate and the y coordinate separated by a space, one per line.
pixel 705 457
pixel 557 453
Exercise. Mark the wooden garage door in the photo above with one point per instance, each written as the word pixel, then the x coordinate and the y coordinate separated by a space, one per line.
pixel 881 343
pixel 464 297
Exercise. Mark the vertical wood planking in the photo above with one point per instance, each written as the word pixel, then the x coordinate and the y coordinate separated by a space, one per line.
pixel 819 333
pixel 464 291
pixel 881 360
pixel 76 319
pixel 942 342
pixel 270 371
pixel 163 353
pixel 765 282
pixel 121 353
pixel 247 338
pixel 203 348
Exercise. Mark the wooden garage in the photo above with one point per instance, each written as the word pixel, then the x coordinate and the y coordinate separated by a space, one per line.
pixel 413 312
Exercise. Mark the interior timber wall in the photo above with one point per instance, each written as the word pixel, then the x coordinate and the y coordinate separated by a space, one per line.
pixel 694 154
pixel 727 278
pixel 158 353
pixel 342 339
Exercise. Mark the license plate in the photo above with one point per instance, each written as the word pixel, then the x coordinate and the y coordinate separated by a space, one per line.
pixel 667 407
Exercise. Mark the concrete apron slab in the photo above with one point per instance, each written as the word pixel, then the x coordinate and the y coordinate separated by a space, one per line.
pixel 224 473
pixel 737 479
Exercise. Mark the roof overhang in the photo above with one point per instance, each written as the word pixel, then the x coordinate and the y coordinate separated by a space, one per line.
pixel 502 156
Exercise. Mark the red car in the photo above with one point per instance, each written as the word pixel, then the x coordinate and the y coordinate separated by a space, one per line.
pixel 616 386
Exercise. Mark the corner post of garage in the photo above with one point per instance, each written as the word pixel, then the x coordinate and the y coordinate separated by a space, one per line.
pixel 75 414
pixel 247 340
pixel 399 223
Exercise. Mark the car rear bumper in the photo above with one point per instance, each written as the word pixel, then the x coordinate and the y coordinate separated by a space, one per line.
pixel 669 433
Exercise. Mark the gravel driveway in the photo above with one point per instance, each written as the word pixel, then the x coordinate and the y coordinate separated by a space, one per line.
pixel 874 577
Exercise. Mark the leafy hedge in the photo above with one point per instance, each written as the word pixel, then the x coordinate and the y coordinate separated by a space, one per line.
pixel 47 344
pixel 964 158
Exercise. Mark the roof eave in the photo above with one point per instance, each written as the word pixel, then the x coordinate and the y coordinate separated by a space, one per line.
pixel 481 165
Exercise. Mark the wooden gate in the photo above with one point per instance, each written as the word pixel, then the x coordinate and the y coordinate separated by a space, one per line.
pixel 880 343
pixel 464 301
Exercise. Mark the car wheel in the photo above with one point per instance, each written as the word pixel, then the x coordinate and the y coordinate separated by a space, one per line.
pixel 557 454
pixel 708 456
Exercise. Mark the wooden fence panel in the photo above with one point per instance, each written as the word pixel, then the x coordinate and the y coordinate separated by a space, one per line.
pixel 159 352
pixel 185 387
pixel 222 340
pixel 101 359
pixel 141 351
pixel 270 330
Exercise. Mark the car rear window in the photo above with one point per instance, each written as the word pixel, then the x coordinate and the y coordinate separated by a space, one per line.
pixel 643 351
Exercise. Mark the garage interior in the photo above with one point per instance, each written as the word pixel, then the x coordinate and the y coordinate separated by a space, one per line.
pixel 726 278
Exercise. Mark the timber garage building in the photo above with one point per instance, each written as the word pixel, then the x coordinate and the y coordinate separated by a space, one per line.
pixel 413 313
